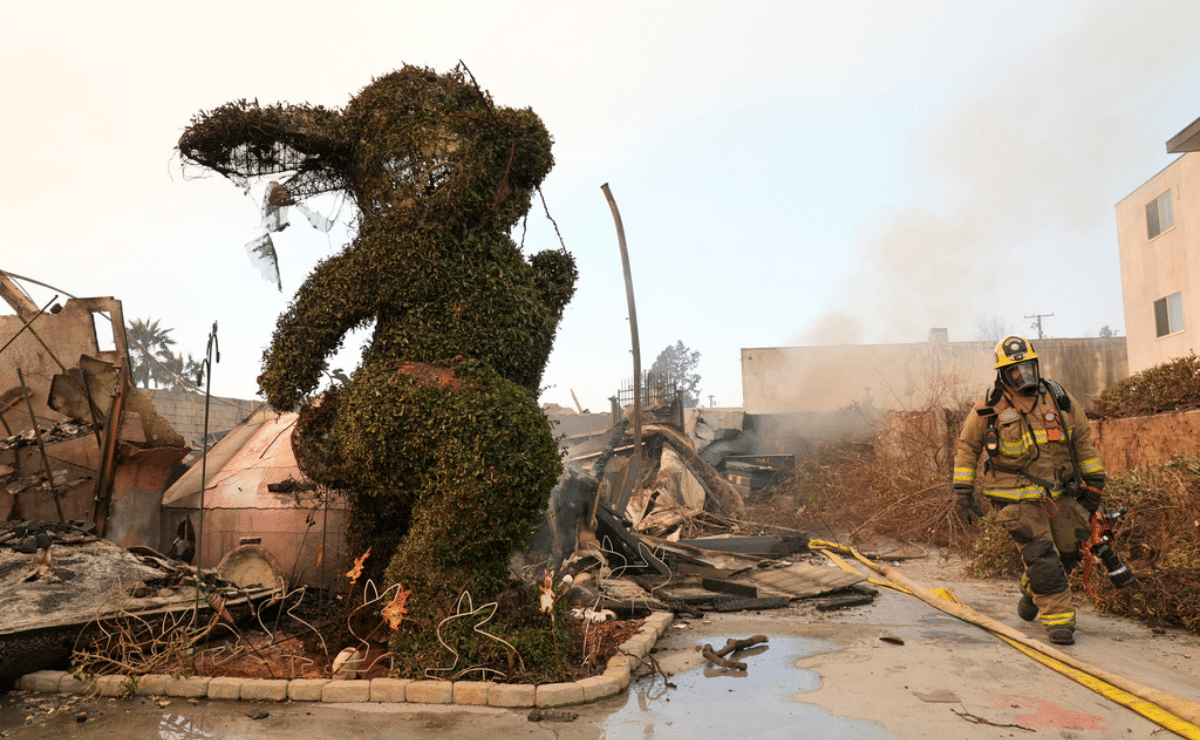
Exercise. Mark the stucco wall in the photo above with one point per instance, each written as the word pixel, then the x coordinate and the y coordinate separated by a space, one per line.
pixel 1143 441
pixel 1155 268
pixel 910 377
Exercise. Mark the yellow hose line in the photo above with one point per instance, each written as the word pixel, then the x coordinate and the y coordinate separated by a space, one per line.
pixel 841 563
pixel 1148 709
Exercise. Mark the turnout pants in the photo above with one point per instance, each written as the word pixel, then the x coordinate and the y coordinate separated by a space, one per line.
pixel 1049 533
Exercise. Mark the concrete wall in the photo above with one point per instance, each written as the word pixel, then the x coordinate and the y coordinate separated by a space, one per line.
pixel 909 377
pixel 185 411
pixel 1155 268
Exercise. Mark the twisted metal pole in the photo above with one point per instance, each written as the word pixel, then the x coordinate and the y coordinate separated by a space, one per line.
pixel 633 328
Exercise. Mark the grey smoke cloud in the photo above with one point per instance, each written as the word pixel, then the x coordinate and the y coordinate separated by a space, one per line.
pixel 1024 176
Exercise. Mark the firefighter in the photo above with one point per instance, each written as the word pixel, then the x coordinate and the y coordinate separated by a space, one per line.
pixel 1038 450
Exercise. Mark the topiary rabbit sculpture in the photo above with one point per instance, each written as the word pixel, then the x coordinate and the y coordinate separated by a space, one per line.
pixel 437 435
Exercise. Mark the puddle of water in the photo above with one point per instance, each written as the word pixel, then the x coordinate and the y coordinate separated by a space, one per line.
pixel 178 727
pixel 759 703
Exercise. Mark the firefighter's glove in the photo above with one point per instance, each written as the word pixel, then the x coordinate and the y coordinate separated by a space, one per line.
pixel 965 505
pixel 1089 498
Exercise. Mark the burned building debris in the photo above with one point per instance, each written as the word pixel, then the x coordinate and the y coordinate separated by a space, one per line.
pixel 660 528
pixel 82 443
pixel 63 588
pixel 97 488
pixel 434 453
pixel 254 497
pixel 84 461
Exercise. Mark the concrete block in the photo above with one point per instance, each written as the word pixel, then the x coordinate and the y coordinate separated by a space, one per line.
pixel 649 639
pixel 306 689
pixel 660 621
pixel 472 692
pixel 225 687
pixel 71 685
pixel 598 687
pixel 346 691
pixel 154 684
pixel 265 689
pixel 430 692
pixel 620 667
pixel 513 695
pixel 634 647
pixel 558 694
pixel 389 689
pixel 46 682
pixel 192 687
pixel 114 685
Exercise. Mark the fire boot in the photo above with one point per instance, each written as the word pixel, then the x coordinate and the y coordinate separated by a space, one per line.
pixel 1026 609
pixel 1062 636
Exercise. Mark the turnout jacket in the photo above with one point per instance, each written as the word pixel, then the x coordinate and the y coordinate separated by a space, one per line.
pixel 1031 454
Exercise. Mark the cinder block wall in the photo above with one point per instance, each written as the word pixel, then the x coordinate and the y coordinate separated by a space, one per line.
pixel 185 411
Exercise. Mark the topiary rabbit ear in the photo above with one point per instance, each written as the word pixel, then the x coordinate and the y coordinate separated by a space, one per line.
pixel 242 141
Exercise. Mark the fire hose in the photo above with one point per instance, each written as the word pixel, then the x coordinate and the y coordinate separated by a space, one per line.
pixel 1164 709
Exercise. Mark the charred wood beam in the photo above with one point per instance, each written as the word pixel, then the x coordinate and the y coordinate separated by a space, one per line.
pixel 703 571
pixel 843 602
pixel 108 453
pixel 597 471
pixel 724 586
pixel 759 604
pixel 629 546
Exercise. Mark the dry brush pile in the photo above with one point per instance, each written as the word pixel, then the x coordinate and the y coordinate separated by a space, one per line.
pixel 894 485
pixel 1160 541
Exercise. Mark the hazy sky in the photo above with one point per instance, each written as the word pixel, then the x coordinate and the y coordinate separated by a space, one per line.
pixel 788 173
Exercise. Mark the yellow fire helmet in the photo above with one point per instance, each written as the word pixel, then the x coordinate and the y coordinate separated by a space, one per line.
pixel 1013 349
pixel 1017 365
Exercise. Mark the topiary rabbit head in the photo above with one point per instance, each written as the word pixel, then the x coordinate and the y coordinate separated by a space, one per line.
pixel 423 147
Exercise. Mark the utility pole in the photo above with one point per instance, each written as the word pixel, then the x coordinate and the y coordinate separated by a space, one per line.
pixel 1037 324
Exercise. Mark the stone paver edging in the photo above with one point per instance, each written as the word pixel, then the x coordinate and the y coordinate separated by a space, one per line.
pixel 614 680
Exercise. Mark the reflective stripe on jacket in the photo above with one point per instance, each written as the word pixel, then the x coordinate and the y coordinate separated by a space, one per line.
pixel 1032 442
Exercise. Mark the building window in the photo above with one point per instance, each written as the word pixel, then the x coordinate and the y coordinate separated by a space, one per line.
pixel 1168 314
pixel 1160 215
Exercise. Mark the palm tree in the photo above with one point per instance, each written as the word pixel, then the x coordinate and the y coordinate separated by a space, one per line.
pixel 150 356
